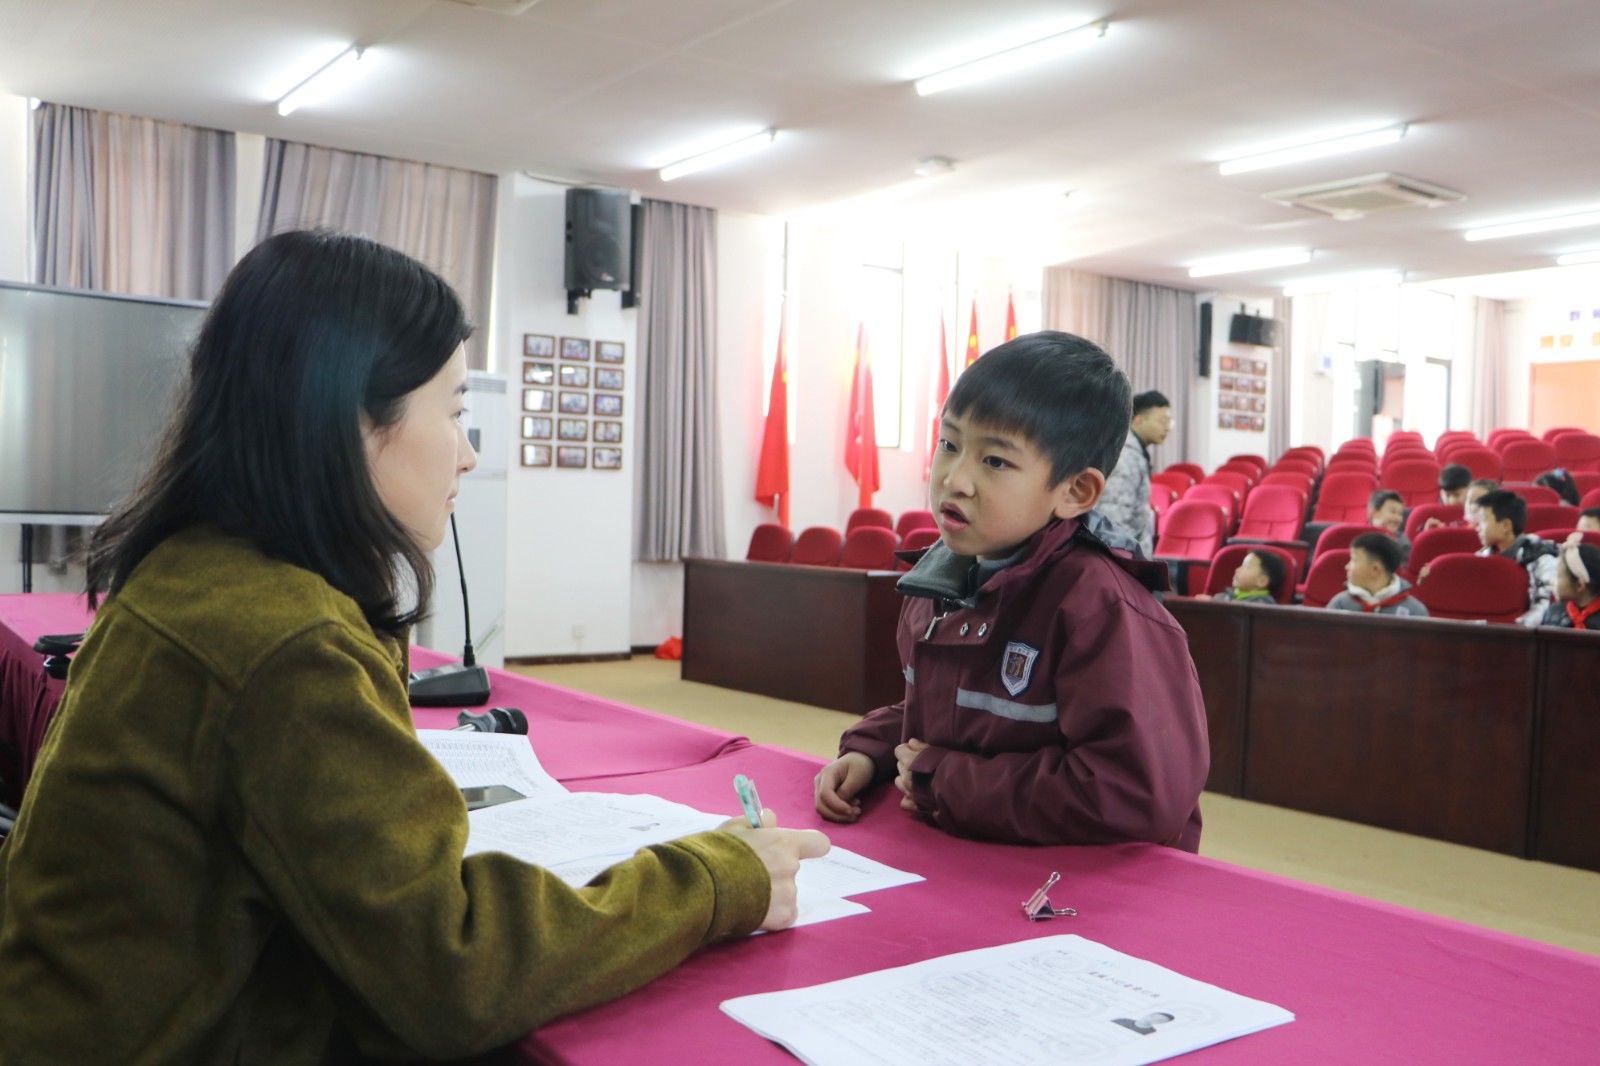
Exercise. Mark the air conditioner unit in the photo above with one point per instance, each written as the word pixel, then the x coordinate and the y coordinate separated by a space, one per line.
pixel 503 7
pixel 1353 198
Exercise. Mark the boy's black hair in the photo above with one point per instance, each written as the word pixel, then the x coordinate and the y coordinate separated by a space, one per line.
pixel 1591 562
pixel 1272 565
pixel 1454 478
pixel 1561 483
pixel 1504 504
pixel 1591 512
pixel 1061 392
pixel 1146 400
pixel 1382 547
pixel 1383 496
pixel 1484 483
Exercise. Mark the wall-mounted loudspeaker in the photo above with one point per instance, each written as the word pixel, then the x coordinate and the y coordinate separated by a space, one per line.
pixel 630 295
pixel 1205 339
pixel 599 242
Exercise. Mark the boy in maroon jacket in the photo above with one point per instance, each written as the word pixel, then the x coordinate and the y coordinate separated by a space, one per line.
pixel 1050 698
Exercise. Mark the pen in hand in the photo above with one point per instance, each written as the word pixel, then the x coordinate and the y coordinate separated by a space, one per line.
pixel 749 799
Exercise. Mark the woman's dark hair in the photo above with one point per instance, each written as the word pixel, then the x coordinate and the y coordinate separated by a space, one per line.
pixel 1561 483
pixel 311 331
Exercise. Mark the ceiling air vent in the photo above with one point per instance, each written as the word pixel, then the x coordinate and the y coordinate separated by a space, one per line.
pixel 1354 198
pixel 503 7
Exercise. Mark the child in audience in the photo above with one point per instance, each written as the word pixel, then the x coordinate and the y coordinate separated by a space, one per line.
pixel 1589 521
pixel 1577 603
pixel 1387 511
pixel 1257 580
pixel 1373 585
pixel 1454 481
pixel 1050 698
pixel 1502 517
pixel 1469 517
pixel 1560 482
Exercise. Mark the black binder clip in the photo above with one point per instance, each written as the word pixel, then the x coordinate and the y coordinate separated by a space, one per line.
pixel 1038 908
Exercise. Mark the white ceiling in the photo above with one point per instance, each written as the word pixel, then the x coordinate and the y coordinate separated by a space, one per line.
pixel 1504 97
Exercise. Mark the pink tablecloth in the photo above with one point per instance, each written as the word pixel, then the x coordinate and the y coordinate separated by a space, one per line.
pixel 1368 982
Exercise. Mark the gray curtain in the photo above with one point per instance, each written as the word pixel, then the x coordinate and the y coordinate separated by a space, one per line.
pixel 131 205
pixel 1488 347
pixel 679 472
pixel 1151 331
pixel 440 215
pixel 1278 383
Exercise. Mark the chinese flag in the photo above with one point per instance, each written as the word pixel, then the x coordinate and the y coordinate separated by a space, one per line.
pixel 861 434
pixel 1011 318
pixel 939 397
pixel 973 351
pixel 772 473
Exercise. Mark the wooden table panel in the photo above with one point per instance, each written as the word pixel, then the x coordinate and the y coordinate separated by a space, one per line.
pixel 1567 814
pixel 1219 643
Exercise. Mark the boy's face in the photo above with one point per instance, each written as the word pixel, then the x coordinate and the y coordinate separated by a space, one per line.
pixel 1365 571
pixel 1494 532
pixel 1566 583
pixel 1452 495
pixel 1390 515
pixel 1474 494
pixel 991 490
pixel 1589 524
pixel 1250 575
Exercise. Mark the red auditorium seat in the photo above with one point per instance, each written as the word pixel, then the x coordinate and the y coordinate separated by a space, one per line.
pixel 1552 516
pixel 1416 482
pixel 1219 496
pixel 1497 436
pixel 1433 543
pixel 1249 471
pixel 1233 479
pixel 1586 480
pixel 914 520
pixel 1231 557
pixel 1533 494
pixel 1327 578
pixel 1450 436
pixel 1195 471
pixel 1295 466
pixel 1339 536
pixel 1273 512
pixel 1343 498
pixel 1470 588
pixel 1406 452
pixel 1190 536
pixel 1305 455
pixel 817 546
pixel 1558 535
pixel 869 548
pixel 1590 499
pixel 868 516
pixel 919 538
pixel 1549 436
pixel 1444 512
pixel 1359 467
pixel 770 543
pixel 1483 462
pixel 1524 460
pixel 1257 461
pixel 1176 480
pixel 1293 479
pixel 1161 500
pixel 1578 451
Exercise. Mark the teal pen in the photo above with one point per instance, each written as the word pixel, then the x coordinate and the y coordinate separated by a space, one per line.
pixel 749 799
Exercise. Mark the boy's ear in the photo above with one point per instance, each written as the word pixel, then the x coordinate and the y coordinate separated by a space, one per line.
pixel 1079 493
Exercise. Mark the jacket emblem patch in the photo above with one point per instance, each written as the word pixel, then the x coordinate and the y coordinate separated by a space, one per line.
pixel 1016 666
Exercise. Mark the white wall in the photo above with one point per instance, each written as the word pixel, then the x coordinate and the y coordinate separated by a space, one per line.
pixel 1217 443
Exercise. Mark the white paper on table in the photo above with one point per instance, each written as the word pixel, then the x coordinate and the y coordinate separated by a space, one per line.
pixel 559 831
pixel 475 760
pixel 1033 1003
pixel 844 873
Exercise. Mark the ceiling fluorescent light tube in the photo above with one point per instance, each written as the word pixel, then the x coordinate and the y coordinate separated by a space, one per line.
pixel 1578 258
pixel 1356 280
pixel 327 82
pixel 1533 225
pixel 1238 264
pixel 1012 59
pixel 718 156
pixel 1314 150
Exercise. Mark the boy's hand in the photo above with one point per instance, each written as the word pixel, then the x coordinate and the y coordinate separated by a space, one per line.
pixel 780 851
pixel 905 754
pixel 1423 575
pixel 838 785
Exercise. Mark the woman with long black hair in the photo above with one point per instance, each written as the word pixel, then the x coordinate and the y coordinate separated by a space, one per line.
pixel 233 848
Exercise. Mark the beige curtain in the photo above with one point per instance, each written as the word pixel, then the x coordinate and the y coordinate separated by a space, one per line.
pixel 679 472
pixel 441 215
pixel 131 205
pixel 1152 332
pixel 1488 347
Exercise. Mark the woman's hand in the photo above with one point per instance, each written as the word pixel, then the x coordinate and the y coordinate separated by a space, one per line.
pixel 780 851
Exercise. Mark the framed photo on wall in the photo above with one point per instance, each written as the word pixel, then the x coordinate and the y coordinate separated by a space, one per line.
pixel 1224 421
pixel 574 403
pixel 608 458
pixel 536 427
pixel 572 457
pixel 536 455
pixel 573 429
pixel 574 377
pixel 538 401
pixel 608 432
pixel 538 373
pixel 538 346
pixel 1258 423
pixel 608 404
pixel 609 351
pixel 575 348
pixel 608 377
pixel 1229 362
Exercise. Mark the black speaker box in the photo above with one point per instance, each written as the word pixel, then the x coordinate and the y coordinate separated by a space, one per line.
pixel 630 295
pixel 1205 339
pixel 599 240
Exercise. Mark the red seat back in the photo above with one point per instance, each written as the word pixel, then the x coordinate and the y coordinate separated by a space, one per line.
pixel 1339 536
pixel 1343 498
pixel 1483 462
pixel 1217 495
pixel 1578 451
pixel 1231 557
pixel 1293 479
pixel 1586 480
pixel 1471 588
pixel 1498 437
pixel 770 543
pixel 1194 470
pixel 1161 500
pixel 1327 577
pixel 1257 461
pixel 1416 482
pixel 919 538
pixel 1249 471
pixel 1558 535
pixel 1273 512
pixel 1590 499
pixel 1524 460
pixel 817 546
pixel 868 516
pixel 1304 455
pixel 1451 436
pixel 1444 512
pixel 1233 479
pixel 869 548
pixel 1176 480
pixel 1193 530
pixel 1549 436
pixel 1295 466
pixel 1533 494
pixel 1432 543
pixel 914 520
pixel 1552 516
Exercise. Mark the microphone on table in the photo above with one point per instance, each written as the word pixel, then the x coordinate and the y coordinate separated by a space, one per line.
pixel 464 684
pixel 494 720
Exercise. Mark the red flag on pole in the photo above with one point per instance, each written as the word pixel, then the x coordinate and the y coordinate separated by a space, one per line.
pixel 772 473
pixel 973 351
pixel 1011 318
pixel 861 435
pixel 940 395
